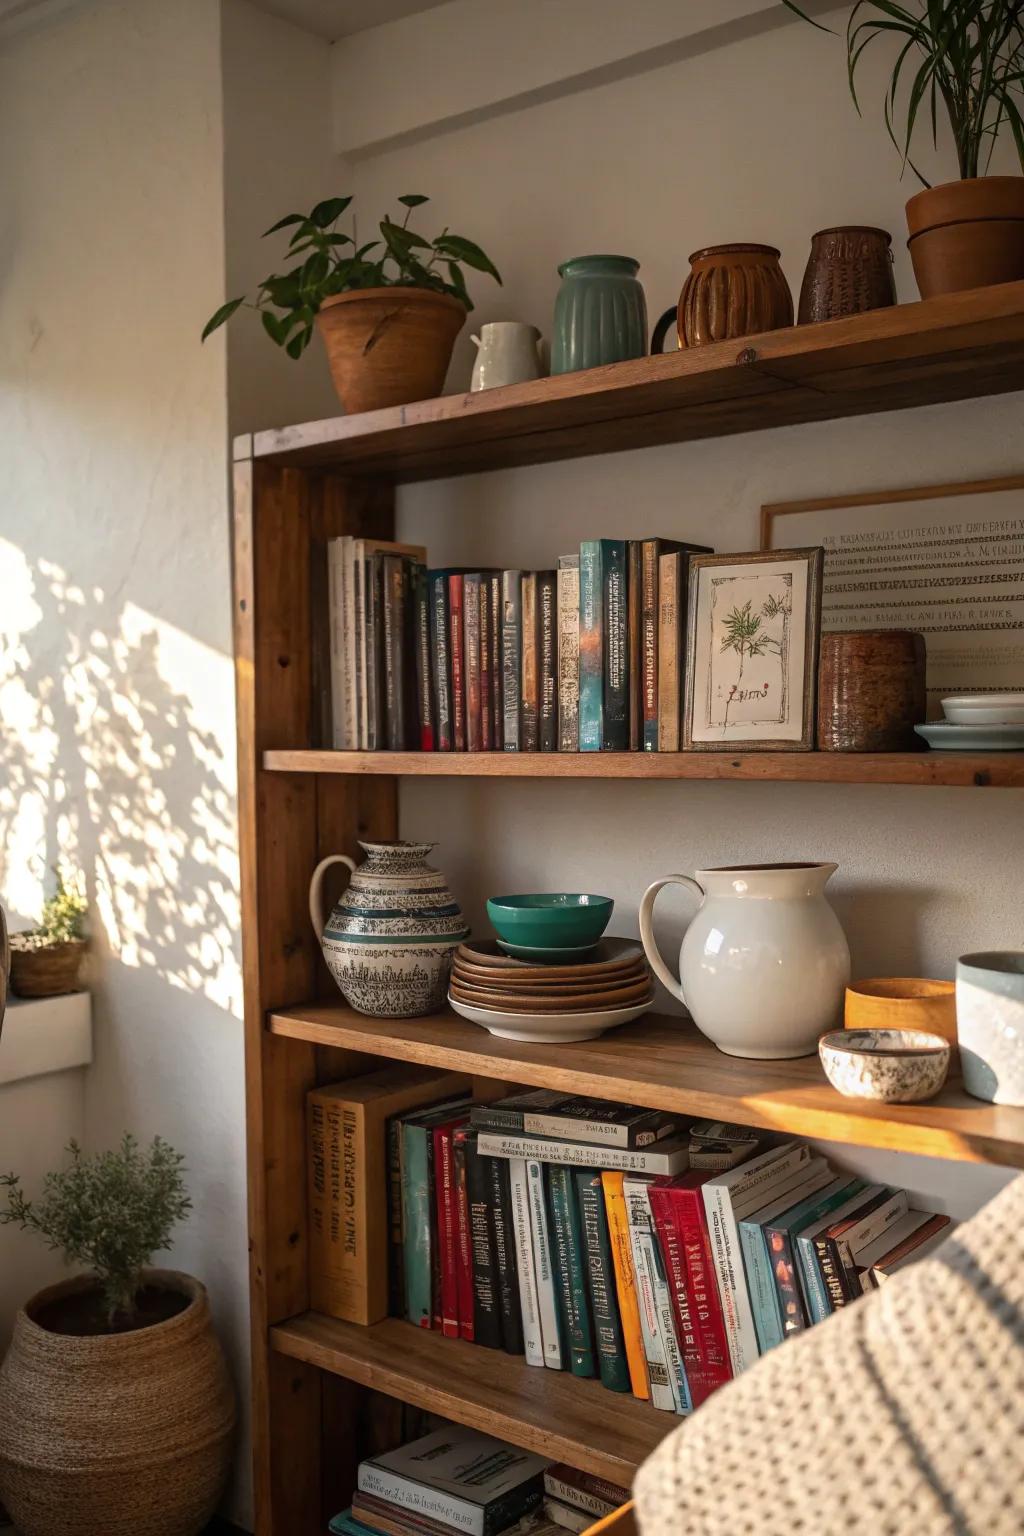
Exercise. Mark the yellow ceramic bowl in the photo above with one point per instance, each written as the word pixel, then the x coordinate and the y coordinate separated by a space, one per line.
pixel 902 1002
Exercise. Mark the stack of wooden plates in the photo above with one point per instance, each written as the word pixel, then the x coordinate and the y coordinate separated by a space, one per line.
pixel 520 1000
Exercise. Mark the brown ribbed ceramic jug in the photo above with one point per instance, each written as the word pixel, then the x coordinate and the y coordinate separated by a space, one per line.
pixel 732 291
pixel 848 271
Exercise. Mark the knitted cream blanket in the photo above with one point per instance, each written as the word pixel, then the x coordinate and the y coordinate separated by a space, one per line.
pixel 902 1415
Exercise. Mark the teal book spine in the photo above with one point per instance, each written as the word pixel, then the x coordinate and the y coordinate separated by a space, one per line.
pixel 764 1300
pixel 604 1306
pixel 815 1294
pixel 591 662
pixel 416 1221
pixel 569 1264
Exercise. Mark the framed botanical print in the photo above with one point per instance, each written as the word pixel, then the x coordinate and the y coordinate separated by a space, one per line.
pixel 752 651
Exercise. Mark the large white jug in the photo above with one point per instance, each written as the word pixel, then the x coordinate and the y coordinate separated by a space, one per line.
pixel 764 963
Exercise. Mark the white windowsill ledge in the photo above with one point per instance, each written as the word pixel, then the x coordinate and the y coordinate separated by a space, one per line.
pixel 46 1034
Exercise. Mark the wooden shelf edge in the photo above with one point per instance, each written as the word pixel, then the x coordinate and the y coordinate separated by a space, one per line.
pixel 982 770
pixel 548 1412
pixel 663 1062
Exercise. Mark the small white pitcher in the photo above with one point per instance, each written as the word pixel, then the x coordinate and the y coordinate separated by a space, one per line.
pixel 508 352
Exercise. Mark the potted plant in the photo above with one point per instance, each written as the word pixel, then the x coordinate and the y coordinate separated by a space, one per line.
pixel 965 57
pixel 116 1411
pixel 388 311
pixel 46 960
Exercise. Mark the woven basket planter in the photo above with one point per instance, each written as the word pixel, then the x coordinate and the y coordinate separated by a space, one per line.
pixel 116 1435
pixel 47 970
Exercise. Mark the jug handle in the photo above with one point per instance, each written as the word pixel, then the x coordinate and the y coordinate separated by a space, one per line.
pixel 316 890
pixel 475 339
pixel 651 950
pixel 661 330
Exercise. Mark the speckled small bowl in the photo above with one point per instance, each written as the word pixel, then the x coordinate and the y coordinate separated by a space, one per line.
pixel 892 1066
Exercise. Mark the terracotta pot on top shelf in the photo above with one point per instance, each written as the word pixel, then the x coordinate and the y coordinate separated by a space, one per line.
pixel 967 234
pixel 389 346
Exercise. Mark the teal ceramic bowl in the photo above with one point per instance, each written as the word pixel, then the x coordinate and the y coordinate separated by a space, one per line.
pixel 557 920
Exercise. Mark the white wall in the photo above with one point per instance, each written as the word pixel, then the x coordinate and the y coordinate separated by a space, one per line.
pixel 756 141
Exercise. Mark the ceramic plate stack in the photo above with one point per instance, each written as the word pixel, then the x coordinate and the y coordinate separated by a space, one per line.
pixel 978 722
pixel 519 1000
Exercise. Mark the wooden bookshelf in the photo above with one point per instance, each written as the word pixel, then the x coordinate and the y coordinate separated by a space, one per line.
pixel 323 1395
pixel 666 1063
pixel 994 770
pixel 550 1412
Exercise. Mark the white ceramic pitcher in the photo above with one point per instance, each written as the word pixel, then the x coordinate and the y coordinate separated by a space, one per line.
pixel 764 963
pixel 508 352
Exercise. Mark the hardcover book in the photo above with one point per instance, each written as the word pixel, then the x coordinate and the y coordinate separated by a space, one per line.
pixel 546 1112
pixel 836 1292
pixel 625 1282
pixel 615 657
pixel 659 1349
pixel 681 1223
pixel 505 1254
pixel 547 654
pixel 463 1236
pixel 671 671
pixel 494 609
pixel 424 680
pixel 568 653
pixel 441 677
pixel 447 1225
pixel 396 598
pixel 569 1265
pixel 471 661
pixel 543 1267
pixel 336 633
pixel 591 661
pixel 651 551
pixel 608 1341
pixel 529 681
pixel 419 1219
pixel 456 647
pixel 583 1490
pixel 666 1157
pixel 519 1186
pixel 511 656
pixel 478 1246
pixel 459 1476
pixel 780 1236
pixel 884 1243
pixel 757 1264
pixel 486 690
pixel 917 1246
pixel 634 649
pixel 860 1234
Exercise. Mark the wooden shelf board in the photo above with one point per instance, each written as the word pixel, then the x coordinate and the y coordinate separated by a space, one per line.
pixel 977 769
pixel 666 1063
pixel 959 346
pixel 550 1412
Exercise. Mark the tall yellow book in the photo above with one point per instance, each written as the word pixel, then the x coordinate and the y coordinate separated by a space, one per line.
pixel 625 1281
pixel 350 1213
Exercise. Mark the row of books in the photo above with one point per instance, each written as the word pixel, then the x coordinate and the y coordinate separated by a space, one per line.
pixel 456 1479
pixel 604 1239
pixel 588 657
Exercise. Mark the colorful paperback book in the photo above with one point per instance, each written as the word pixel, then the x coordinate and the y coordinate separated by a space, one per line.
pixel 570 1270
pixel 545 1112
pixel 659 1349
pixel 568 653
pixel 608 1341
pixel 494 615
pixel 547 662
pixel 757 1264
pixel 664 1157
pixel 583 1490
pixel 471 660
pixel 615 652
pixel 681 1225
pixel 519 1191
pixel 511 656
pixel 826 1245
pixel 463 1478
pixel 808 1265
pixel 529 675
pixel 486 692
pixel 543 1267
pixel 625 1282
pixel 781 1234
pixel 591 661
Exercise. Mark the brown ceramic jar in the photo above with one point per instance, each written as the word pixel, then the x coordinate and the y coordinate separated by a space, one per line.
pixel 871 691
pixel 848 271
pixel 732 291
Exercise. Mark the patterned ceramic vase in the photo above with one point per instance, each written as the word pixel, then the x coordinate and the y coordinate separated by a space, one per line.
pixel 733 291
pixel 600 313
pixel 391 937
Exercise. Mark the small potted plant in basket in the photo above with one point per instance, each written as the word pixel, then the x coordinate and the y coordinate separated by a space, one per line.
pixel 962 59
pixel 46 960
pixel 116 1410
pixel 388 311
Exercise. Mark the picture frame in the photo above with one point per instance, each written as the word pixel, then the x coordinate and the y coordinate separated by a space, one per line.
pixel 944 560
pixel 765 608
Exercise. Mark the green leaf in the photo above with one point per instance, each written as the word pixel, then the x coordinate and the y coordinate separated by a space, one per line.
pixel 224 313
pixel 465 250
pixel 290 218
pixel 298 344
pixel 276 326
pixel 458 284
pixel 330 209
pixel 405 239
pixel 413 200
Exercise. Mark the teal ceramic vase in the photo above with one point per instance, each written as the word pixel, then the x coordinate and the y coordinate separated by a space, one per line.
pixel 600 313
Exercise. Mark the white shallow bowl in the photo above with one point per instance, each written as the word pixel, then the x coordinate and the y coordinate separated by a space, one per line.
pixel 985 709
pixel 549 1028
pixel 944 736
pixel 891 1066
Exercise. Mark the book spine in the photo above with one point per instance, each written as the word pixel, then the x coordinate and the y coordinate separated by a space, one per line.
pixel 511 656
pixel 455 647
pixel 666 1157
pixel 674 1264
pixel 569 653
pixel 533 1342
pixel 348 588
pixel 763 1298
pixel 505 1255
pixel 831 1265
pixel 791 1303
pixel 566 1516
pixel 668 653
pixel 424 685
pixel 663 1387
pixel 815 1307
pixel 464 1273
pixel 571 1284
pixel 529 683
pixel 611 1354
pixel 710 1361
pixel 482 1301
pixel 615 658
pixel 382 1483
pixel 540 1232
pixel 447 1233
pixel 649 625
pixel 336 636
pixel 497 708
pixel 417 1225
pixel 632 1134
pixel 359 562
pixel 732 1283
pixel 486 698
pixel 547 651
pixel 625 1282
pixel 395 598
pixel 584 1495
pixel 634 645
pixel 471 660
pixel 376 734
pixel 591 666
pixel 396 1230
pixel 440 659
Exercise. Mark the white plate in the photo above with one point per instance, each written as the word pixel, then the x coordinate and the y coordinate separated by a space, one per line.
pixel 985 711
pixel 983 700
pixel 548 1027
pixel 972 738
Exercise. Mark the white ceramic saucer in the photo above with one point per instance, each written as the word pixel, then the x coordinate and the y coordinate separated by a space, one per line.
pixel 550 1028
pixel 946 737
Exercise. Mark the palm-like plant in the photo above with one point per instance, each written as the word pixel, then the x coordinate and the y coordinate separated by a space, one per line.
pixel 967 55
pixel 743 633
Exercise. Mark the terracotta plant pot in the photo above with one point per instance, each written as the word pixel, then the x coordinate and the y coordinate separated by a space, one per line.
pixel 967 234
pixel 47 970
pixel 389 346
pixel 115 1434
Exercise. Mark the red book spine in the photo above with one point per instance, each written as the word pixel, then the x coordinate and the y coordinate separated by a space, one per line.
pixel 447 1225
pixel 675 1273
pixel 486 700
pixel 464 1238
pixel 711 1366
pixel 455 642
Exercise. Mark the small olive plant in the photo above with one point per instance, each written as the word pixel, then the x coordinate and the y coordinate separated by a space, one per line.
pixel 332 262
pixel 110 1212
pixel 64 915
